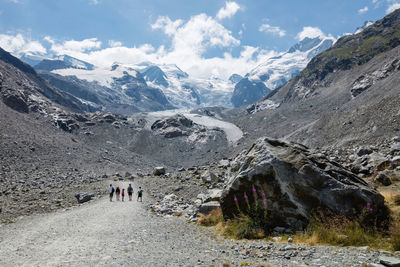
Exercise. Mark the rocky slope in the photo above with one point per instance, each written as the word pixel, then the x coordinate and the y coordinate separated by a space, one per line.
pixel 23 90
pixel 346 96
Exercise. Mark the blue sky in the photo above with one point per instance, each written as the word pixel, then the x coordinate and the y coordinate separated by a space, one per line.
pixel 163 31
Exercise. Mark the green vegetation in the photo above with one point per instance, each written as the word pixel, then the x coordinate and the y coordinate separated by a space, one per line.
pixel 334 230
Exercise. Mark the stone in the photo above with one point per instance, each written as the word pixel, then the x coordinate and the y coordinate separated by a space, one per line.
pixel 83 197
pixel 396 139
pixel 207 207
pixel 209 177
pixel 214 195
pixel 395 148
pixel 279 229
pixel 16 102
pixel 202 197
pixel 389 261
pixel 224 163
pixel 159 171
pixel 109 118
pixel 383 179
pixel 173 132
pixel 364 151
pixel 296 183
pixel 170 198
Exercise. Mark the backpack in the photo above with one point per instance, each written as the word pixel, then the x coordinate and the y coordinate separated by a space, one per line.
pixel 112 190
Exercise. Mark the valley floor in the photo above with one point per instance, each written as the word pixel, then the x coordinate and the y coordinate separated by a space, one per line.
pixel 104 233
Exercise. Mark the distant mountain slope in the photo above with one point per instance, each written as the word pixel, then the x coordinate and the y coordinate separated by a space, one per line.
pixel 23 90
pixel 119 89
pixel 276 71
pixel 347 95
pixel 63 62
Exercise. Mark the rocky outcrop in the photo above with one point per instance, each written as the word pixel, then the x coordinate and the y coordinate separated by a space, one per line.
pixel 16 101
pixel 247 92
pixel 159 171
pixel 296 183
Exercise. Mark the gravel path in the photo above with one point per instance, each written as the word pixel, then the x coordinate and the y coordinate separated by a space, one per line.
pixel 103 233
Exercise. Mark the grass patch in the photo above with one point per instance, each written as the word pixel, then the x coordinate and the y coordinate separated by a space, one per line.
pixel 340 231
pixel 242 227
pixel 211 219
pixel 337 231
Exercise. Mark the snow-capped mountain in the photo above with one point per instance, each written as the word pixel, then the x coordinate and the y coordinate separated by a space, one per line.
pixel 145 86
pixel 186 92
pixel 63 62
pixel 119 88
pixel 276 71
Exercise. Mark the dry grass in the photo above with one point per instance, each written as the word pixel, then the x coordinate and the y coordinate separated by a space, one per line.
pixel 211 219
pixel 391 196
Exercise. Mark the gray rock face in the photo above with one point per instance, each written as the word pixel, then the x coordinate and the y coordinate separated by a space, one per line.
pixel 16 102
pixel 83 197
pixel 296 183
pixel 247 92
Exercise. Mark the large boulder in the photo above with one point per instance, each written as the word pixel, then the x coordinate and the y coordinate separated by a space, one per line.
pixel 159 171
pixel 296 184
pixel 83 197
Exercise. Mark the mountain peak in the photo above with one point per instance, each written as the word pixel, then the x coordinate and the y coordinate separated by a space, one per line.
pixel 305 44
pixel 63 62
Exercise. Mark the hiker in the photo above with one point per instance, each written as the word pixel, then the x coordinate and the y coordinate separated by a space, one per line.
pixel 111 190
pixel 123 194
pixel 117 193
pixel 139 194
pixel 130 192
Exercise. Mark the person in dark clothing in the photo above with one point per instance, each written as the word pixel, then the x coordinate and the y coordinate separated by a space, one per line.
pixel 130 192
pixel 117 193
pixel 139 194
pixel 111 191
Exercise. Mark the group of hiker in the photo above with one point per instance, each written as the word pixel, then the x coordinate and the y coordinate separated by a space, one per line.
pixel 119 193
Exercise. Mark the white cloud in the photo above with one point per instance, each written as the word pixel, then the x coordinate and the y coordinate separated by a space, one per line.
pixel 228 11
pixel 392 7
pixel 310 32
pixel 195 36
pixel 272 29
pixel 363 10
pixel 167 25
pixel 72 46
pixel 94 2
pixel 113 43
pixel 15 1
pixel 19 45
pixel 190 40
